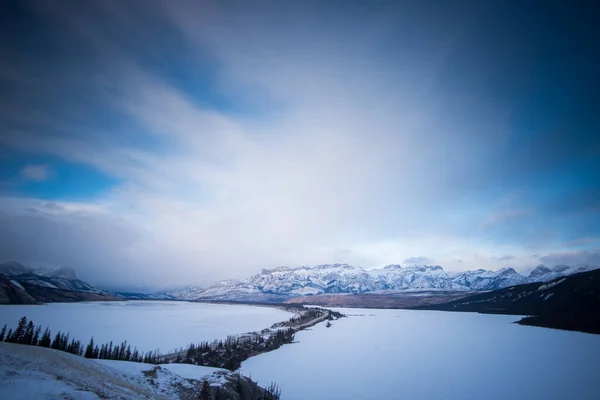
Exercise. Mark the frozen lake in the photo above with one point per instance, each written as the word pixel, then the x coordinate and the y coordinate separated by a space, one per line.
pixel 149 325
pixel 427 355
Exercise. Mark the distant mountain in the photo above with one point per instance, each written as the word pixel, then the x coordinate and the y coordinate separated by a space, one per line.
pixel 186 293
pixel 144 296
pixel 568 302
pixel 20 284
pixel 281 284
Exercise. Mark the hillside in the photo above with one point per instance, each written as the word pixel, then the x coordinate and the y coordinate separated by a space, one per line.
pixel 23 285
pixel 30 372
pixel 571 302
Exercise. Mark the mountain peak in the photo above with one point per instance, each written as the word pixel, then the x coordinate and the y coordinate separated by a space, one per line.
pixel 506 271
pixel 13 268
pixel 540 270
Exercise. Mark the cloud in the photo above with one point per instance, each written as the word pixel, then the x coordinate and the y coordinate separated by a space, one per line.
pixel 505 258
pixel 417 260
pixel 591 257
pixel 38 173
pixel 497 218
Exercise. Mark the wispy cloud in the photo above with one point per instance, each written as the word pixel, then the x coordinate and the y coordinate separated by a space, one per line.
pixel 417 260
pixel 38 173
pixel 590 257
pixel 498 218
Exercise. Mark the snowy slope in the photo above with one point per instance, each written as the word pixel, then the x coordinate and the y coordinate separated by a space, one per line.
pixel 282 283
pixel 30 372
pixel 63 278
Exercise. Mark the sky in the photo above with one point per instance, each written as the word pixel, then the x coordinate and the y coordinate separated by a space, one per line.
pixel 154 144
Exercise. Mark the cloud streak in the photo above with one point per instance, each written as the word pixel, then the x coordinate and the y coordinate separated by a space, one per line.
pixel 35 172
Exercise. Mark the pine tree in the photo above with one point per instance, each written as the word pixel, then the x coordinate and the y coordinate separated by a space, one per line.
pixel 36 336
pixel 89 350
pixel 205 391
pixel 64 342
pixel 56 342
pixel 19 333
pixel 46 339
pixel 28 335
pixel 9 336
pixel 122 351
pixel 3 333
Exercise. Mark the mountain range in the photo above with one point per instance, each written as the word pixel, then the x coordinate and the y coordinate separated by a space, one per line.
pixel 20 284
pixel 283 283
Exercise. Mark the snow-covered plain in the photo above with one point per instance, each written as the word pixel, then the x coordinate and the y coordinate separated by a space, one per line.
pixel 149 325
pixel 427 355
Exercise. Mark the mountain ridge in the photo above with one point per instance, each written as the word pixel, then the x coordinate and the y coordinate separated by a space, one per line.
pixel 23 285
pixel 283 283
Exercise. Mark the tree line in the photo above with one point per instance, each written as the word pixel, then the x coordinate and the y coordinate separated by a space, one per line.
pixel 28 333
pixel 230 353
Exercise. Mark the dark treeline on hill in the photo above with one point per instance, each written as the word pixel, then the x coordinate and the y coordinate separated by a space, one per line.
pixel 230 353
pixel 28 333
pixel 569 303
pixel 233 351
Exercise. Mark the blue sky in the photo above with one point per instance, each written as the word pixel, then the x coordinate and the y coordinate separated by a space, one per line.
pixel 216 139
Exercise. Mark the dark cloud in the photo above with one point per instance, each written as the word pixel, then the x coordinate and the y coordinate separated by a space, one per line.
pixel 505 258
pixel 590 257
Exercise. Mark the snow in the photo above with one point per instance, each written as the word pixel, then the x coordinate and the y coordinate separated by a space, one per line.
pixel 39 282
pixel 17 284
pixel 550 285
pixel 29 372
pixel 190 371
pixel 149 325
pixel 392 354
pixel 127 367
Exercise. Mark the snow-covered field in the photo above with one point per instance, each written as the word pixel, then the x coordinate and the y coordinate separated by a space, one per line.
pixel 149 325
pixel 29 372
pixel 427 355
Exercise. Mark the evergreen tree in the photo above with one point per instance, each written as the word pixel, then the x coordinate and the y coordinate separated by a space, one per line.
pixel 46 339
pixel 89 350
pixel 36 336
pixel 56 342
pixel 19 333
pixel 205 391
pixel 64 342
pixel 28 335
pixel 9 336
pixel 3 333
pixel 122 351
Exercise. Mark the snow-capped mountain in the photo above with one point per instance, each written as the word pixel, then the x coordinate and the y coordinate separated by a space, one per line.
pixel 63 278
pixel 541 273
pixel 187 293
pixel 22 285
pixel 282 283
